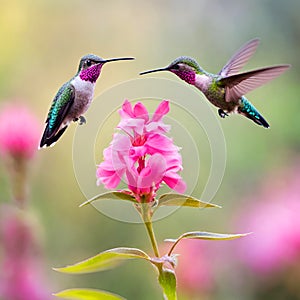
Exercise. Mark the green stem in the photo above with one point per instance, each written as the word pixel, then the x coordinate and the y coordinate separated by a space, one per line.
pixel 172 248
pixel 17 168
pixel 146 215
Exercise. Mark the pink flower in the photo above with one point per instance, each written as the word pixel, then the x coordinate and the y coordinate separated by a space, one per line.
pixel 142 153
pixel 19 131
pixel 273 217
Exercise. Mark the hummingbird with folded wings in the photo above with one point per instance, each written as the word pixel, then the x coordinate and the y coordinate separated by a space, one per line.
pixel 74 98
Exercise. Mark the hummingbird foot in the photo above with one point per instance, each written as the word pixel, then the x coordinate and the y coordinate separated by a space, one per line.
pixel 81 120
pixel 222 113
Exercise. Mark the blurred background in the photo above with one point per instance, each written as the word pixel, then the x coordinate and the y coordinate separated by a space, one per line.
pixel 41 44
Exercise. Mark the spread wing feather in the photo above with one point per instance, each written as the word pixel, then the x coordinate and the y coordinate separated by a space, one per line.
pixel 241 84
pixel 240 58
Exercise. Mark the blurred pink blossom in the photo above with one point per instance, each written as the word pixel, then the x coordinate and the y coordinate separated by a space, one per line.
pixel 273 217
pixel 195 274
pixel 142 153
pixel 19 131
pixel 22 281
pixel 20 278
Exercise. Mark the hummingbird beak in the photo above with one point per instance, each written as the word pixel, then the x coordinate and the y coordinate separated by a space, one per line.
pixel 116 59
pixel 156 70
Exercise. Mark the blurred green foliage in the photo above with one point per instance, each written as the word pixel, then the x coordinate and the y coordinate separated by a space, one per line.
pixel 41 44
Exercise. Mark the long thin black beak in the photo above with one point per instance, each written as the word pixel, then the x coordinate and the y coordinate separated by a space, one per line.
pixel 116 59
pixel 156 70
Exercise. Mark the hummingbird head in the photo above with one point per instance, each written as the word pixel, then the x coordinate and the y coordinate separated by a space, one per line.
pixel 184 67
pixel 90 66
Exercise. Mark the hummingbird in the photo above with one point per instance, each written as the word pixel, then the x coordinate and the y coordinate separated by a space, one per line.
pixel 74 98
pixel 226 89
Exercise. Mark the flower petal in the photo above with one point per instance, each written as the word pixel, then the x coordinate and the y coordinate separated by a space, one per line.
pixel 110 181
pixel 131 179
pixel 126 110
pixel 138 151
pixel 120 142
pixel 157 127
pixel 141 112
pixel 132 126
pixel 158 143
pixel 175 182
pixel 154 171
pixel 162 109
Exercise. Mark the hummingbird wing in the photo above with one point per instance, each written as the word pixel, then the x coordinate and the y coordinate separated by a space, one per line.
pixel 240 84
pixel 240 58
pixel 59 109
pixel 60 91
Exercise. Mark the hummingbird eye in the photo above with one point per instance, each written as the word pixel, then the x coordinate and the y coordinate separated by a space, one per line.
pixel 176 67
pixel 88 63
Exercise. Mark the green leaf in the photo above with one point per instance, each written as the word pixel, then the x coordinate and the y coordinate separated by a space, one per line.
pixel 110 196
pixel 172 199
pixel 87 294
pixel 202 235
pixel 167 280
pixel 104 260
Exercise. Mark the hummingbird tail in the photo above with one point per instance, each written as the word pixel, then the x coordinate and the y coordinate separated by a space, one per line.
pixel 49 140
pixel 248 110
